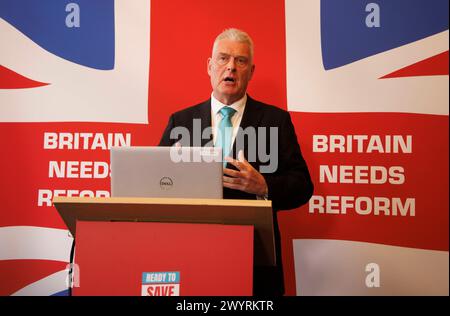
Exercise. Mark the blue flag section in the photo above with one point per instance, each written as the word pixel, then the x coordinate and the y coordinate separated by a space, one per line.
pixel 347 38
pixel 80 31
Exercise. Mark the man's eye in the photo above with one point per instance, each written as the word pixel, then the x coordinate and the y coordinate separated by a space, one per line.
pixel 242 61
pixel 223 59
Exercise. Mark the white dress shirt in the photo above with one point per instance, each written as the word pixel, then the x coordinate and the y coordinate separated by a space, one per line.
pixel 216 117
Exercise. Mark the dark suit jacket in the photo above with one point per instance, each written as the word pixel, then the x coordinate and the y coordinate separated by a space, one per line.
pixel 289 186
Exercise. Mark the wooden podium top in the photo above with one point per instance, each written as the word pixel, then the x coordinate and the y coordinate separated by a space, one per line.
pixel 173 201
pixel 176 210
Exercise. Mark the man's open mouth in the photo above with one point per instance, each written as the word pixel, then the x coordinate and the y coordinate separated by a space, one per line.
pixel 229 79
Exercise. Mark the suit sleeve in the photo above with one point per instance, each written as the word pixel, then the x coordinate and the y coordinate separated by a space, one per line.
pixel 290 186
pixel 165 139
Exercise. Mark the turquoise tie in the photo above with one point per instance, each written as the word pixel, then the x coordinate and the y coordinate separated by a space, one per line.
pixel 225 131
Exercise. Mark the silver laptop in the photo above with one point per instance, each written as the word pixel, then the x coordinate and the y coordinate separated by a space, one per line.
pixel 183 172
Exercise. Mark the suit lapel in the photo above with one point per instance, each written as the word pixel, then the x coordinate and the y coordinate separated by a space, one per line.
pixel 205 116
pixel 251 115
pixel 250 118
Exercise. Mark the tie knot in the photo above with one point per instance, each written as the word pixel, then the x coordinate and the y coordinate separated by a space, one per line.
pixel 227 111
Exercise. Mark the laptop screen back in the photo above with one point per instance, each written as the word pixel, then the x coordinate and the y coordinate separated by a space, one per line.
pixel 185 172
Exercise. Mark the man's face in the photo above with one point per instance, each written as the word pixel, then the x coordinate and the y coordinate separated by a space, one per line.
pixel 230 69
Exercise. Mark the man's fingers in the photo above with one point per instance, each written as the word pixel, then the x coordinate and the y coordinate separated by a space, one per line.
pixel 241 165
pixel 232 186
pixel 232 173
pixel 231 180
pixel 226 179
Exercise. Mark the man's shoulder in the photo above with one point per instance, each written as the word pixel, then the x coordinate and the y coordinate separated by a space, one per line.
pixel 193 110
pixel 268 110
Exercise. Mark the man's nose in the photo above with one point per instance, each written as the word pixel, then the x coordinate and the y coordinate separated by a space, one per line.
pixel 231 66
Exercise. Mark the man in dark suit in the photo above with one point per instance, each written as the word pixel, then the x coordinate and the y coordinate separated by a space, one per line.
pixel 265 160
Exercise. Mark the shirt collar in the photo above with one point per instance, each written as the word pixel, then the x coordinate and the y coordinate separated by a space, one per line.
pixel 239 105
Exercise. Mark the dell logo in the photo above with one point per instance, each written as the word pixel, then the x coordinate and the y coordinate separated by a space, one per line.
pixel 166 183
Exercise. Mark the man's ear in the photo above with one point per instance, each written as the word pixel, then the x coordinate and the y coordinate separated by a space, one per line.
pixel 208 66
pixel 252 71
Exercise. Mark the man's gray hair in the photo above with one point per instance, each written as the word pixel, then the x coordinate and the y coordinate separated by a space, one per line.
pixel 235 35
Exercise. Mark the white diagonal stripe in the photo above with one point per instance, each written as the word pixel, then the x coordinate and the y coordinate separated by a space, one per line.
pixel 337 267
pixel 52 284
pixel 31 242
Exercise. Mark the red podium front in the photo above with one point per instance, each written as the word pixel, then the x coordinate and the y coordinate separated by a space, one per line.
pixel 210 259
pixel 135 246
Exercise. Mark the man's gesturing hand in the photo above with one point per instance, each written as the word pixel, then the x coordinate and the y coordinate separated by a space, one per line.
pixel 246 178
